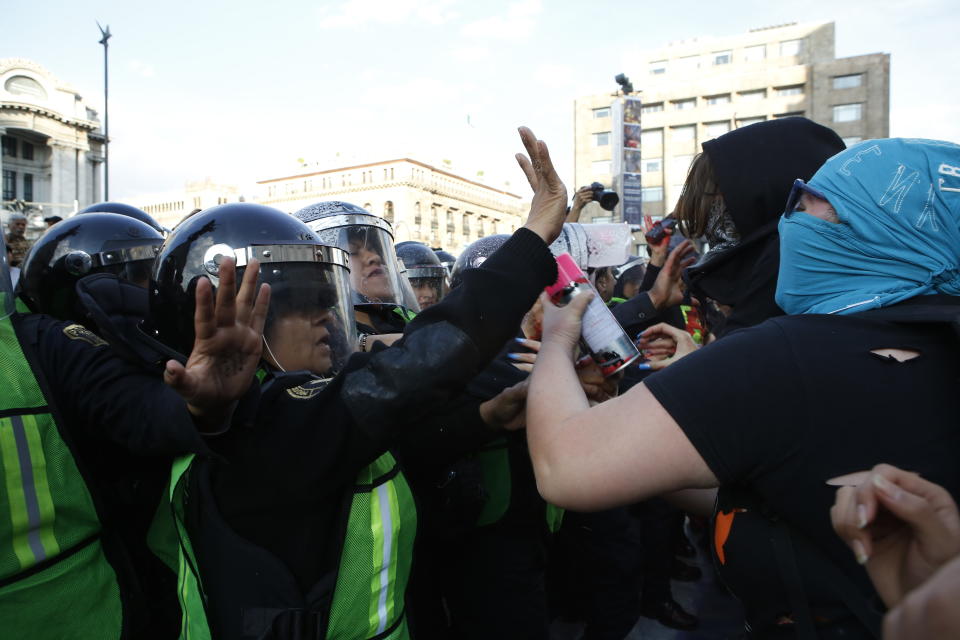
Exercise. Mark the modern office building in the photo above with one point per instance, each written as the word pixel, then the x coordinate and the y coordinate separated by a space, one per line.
pixel 696 90
pixel 422 202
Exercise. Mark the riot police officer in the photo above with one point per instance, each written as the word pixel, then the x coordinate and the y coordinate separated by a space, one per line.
pixel 427 275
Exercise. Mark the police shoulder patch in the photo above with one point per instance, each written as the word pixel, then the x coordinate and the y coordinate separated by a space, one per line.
pixel 78 332
pixel 308 389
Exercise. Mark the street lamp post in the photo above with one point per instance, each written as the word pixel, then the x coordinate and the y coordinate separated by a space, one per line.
pixel 105 33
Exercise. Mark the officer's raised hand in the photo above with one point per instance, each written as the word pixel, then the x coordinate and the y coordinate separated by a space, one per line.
pixel 226 350
pixel 549 206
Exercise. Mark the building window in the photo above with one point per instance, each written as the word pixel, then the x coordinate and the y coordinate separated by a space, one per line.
pixel 756 94
pixel 679 166
pixel 417 218
pixel 792 90
pixel 653 107
pixel 657 67
pixel 652 194
pixel 465 224
pixel 434 220
pixel 651 139
pixel 722 57
pixel 26 150
pixel 791 47
pixel 388 211
pixel 746 122
pixel 848 82
pixel 602 112
pixel 723 98
pixel 755 53
pixel 9 184
pixel 714 129
pixel 9 146
pixel 24 86
pixel 852 140
pixel 848 112
pixel 600 168
pixel 653 165
pixel 687 63
pixel 601 139
pixel 684 133
pixel 28 187
pixel 681 105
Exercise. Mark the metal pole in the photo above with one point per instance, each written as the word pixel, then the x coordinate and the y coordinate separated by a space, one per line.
pixel 106 113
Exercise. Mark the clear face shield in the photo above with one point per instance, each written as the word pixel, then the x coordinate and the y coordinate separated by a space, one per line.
pixel 375 274
pixel 310 324
pixel 429 284
pixel 6 285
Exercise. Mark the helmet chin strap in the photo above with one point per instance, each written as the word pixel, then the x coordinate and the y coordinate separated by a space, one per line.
pixel 270 352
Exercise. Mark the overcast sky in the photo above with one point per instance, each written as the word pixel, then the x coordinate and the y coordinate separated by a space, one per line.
pixel 239 90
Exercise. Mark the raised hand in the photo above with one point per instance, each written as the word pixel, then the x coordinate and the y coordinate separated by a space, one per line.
pixel 659 336
pixel 226 350
pixel 549 206
pixel 666 291
pixel 904 528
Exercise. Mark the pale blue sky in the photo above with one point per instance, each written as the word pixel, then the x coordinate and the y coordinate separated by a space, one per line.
pixel 239 90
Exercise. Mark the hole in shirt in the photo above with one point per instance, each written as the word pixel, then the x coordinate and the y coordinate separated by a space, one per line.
pixel 896 355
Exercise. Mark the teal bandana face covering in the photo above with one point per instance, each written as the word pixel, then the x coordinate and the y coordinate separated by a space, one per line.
pixel 898 202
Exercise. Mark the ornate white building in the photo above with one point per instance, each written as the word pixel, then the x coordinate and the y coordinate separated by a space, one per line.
pixel 52 141
pixel 422 202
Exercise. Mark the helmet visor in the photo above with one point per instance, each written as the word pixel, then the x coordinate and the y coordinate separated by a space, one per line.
pixel 310 323
pixel 375 277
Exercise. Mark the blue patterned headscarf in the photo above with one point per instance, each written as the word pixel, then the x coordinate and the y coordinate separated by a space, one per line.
pixel 898 202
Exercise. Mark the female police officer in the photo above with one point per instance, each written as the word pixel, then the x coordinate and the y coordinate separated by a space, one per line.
pixel 303 527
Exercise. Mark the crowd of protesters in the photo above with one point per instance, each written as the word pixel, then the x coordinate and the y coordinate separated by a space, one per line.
pixel 280 425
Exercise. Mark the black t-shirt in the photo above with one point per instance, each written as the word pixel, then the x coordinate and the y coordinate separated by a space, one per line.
pixel 780 408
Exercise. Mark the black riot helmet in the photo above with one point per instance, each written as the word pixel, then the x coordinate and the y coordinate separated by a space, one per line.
pixel 376 276
pixel 124 210
pixel 310 323
pixel 80 246
pixel 475 254
pixel 427 275
pixel 446 259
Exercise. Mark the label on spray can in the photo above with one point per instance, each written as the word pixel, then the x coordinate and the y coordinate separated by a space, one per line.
pixel 602 336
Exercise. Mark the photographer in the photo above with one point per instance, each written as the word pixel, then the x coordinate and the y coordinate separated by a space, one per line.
pixel 594 193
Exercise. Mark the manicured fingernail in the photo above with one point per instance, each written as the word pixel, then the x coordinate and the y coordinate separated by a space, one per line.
pixel 860 552
pixel 644 366
pixel 886 487
pixel 513 356
pixel 520 340
pixel 861 516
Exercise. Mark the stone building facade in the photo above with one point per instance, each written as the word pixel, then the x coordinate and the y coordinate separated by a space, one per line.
pixel 696 90
pixel 422 202
pixel 52 151
pixel 170 208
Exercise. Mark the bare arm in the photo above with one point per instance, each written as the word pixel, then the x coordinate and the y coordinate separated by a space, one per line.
pixel 618 452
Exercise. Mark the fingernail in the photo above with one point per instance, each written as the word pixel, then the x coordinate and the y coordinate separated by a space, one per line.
pixel 644 366
pixel 513 356
pixel 861 516
pixel 886 487
pixel 520 340
pixel 860 552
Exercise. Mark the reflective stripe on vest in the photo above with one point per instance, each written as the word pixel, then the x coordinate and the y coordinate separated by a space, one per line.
pixel 55 580
pixel 405 314
pixel 375 562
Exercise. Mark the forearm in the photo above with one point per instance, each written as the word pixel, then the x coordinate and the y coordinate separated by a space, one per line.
pixel 555 398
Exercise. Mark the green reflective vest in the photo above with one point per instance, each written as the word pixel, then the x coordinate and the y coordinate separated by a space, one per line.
pixel 368 600
pixel 55 580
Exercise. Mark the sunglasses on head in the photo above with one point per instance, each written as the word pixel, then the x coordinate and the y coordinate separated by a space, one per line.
pixel 799 188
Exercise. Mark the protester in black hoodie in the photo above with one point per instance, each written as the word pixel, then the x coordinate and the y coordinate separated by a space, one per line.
pixel 734 195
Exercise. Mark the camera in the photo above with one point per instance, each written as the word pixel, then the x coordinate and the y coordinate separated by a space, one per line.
pixel 607 199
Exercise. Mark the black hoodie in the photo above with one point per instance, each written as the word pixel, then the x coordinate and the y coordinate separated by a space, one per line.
pixel 755 167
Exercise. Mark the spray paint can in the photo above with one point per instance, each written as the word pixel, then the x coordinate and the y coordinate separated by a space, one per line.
pixel 601 336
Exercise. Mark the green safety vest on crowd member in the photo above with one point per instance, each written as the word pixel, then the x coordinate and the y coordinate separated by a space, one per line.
pixel 368 599
pixel 52 559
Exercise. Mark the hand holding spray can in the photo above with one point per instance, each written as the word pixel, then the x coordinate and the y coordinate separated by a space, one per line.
pixel 601 336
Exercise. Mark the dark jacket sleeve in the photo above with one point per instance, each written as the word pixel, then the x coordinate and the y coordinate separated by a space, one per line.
pixel 636 314
pixel 101 396
pixel 450 343
pixel 649 277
